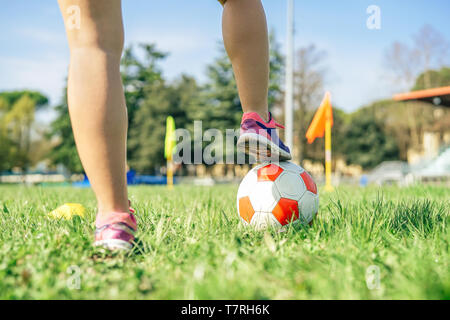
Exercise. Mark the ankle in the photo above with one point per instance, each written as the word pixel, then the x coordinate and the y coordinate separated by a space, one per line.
pixel 110 218
pixel 264 115
pixel 106 210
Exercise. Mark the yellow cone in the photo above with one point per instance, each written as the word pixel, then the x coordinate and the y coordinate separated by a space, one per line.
pixel 68 211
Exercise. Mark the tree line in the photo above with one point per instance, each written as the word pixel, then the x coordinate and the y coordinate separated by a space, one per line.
pixel 383 130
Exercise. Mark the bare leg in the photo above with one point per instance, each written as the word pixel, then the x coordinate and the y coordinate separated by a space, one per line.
pixel 246 41
pixel 96 99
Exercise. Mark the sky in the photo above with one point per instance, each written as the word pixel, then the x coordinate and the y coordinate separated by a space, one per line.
pixel 34 53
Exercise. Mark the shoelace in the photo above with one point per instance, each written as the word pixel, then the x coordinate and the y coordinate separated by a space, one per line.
pixel 130 208
pixel 276 123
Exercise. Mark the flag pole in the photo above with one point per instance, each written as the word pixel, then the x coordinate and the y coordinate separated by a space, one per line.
pixel 170 173
pixel 289 95
pixel 321 125
pixel 169 149
pixel 328 185
pixel 328 124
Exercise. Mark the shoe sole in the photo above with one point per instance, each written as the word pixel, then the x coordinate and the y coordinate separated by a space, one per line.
pixel 261 148
pixel 114 244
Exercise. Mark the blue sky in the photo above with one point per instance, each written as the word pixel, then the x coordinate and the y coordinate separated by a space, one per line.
pixel 34 53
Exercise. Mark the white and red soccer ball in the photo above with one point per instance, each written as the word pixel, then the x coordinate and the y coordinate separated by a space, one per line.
pixel 274 195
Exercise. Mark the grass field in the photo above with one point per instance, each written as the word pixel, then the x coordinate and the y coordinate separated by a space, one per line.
pixel 191 246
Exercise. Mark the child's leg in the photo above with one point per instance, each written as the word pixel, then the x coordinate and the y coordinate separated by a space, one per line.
pixel 246 41
pixel 96 99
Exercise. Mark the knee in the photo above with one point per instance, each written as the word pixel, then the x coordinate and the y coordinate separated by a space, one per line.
pixel 110 43
pixel 99 25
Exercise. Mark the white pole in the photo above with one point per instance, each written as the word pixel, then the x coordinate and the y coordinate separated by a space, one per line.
pixel 289 98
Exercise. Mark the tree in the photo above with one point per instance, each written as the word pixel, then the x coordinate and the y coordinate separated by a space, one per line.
pixel 6 149
pixel 435 78
pixel 140 77
pixel 64 150
pixel 412 68
pixel 366 143
pixel 218 106
pixel 429 50
pixel 316 150
pixel 137 74
pixel 276 75
pixel 11 97
pixel 5 142
pixel 432 51
pixel 221 107
pixel 150 100
pixel 147 133
pixel 17 115
pixel 402 64
pixel 309 80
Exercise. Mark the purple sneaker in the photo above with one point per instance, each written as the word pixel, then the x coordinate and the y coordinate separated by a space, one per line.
pixel 115 231
pixel 260 139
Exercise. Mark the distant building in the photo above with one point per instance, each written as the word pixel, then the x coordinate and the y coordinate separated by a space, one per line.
pixel 436 138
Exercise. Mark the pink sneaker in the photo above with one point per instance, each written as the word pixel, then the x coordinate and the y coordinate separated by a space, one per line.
pixel 260 139
pixel 115 231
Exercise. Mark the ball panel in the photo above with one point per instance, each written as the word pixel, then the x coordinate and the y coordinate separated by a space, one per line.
pixel 276 194
pixel 269 172
pixel 247 184
pixel 264 220
pixel 308 205
pixel 245 208
pixel 290 185
pixel 286 211
pixel 245 223
pixel 264 196
pixel 309 182
pixel 292 167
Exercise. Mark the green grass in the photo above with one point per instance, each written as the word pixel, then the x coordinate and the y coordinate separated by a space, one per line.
pixel 193 247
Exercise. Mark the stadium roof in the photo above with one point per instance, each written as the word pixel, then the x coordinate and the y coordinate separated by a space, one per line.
pixel 437 96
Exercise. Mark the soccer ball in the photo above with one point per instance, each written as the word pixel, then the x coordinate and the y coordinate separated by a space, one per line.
pixel 273 195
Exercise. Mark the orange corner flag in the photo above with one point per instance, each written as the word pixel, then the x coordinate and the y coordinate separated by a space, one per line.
pixel 317 127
